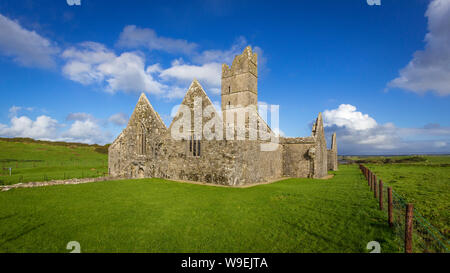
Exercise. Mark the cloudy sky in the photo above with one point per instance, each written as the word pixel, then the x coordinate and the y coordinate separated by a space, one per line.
pixel 379 74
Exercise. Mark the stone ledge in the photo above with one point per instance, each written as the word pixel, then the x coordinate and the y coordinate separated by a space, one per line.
pixel 297 140
pixel 57 182
pixel 99 179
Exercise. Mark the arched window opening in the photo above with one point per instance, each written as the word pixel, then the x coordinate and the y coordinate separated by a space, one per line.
pixel 142 141
pixel 194 146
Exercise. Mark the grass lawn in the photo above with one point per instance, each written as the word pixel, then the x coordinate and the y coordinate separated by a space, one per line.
pixel 35 161
pixel 424 183
pixel 155 215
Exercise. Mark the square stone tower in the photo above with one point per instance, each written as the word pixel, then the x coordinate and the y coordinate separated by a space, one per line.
pixel 240 81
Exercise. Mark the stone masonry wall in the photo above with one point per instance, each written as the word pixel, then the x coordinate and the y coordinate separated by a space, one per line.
pixel 139 143
pixel 332 158
pixel 298 156
pixel 320 159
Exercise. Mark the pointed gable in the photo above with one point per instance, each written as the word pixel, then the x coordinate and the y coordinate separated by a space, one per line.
pixel 318 130
pixel 144 112
pixel 145 120
pixel 195 93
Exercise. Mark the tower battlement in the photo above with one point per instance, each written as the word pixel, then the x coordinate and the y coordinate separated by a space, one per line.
pixel 246 62
pixel 240 81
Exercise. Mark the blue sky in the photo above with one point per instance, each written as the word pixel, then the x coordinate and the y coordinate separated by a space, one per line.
pixel 75 73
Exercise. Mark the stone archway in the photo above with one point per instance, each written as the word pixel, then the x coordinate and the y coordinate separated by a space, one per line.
pixel 140 173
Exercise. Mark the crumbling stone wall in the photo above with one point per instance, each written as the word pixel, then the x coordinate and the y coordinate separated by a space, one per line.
pixel 320 159
pixel 298 155
pixel 332 156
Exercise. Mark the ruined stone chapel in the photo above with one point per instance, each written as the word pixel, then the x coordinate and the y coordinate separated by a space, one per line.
pixel 147 148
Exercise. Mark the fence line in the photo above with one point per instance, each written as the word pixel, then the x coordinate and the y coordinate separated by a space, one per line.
pixel 21 171
pixel 413 231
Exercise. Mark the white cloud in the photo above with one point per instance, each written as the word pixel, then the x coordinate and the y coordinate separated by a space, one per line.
pixel 347 116
pixel 14 110
pixel 119 119
pixel 44 127
pixel 227 56
pixel 206 66
pixel 440 144
pixel 176 92
pixel 83 61
pixel 358 133
pixel 25 47
pixel 136 37
pixel 86 132
pixel 85 129
pixel 127 73
pixel 208 74
pixel 222 56
pixel 79 116
pixel 93 63
pixel 155 68
pixel 429 70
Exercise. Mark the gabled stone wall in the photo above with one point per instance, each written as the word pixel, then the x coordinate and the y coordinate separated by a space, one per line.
pixel 139 144
pixel 320 158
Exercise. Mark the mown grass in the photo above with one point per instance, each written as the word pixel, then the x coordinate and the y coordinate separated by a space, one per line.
pixel 425 183
pixel 155 215
pixel 40 161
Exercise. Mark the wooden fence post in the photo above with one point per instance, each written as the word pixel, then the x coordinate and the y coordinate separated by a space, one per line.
pixel 390 207
pixel 381 194
pixel 375 188
pixel 370 180
pixel 408 227
pixel 367 177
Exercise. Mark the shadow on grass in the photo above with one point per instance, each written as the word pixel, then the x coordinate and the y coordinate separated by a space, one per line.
pixel 326 239
pixel 16 234
pixel 7 216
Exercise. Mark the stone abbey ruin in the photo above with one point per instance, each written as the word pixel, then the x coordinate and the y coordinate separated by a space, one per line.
pixel 232 153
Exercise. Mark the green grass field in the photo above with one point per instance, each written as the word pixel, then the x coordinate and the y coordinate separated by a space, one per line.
pixel 40 161
pixel 421 180
pixel 154 215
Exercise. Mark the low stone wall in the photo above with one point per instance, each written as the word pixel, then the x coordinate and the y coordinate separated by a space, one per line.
pixel 57 182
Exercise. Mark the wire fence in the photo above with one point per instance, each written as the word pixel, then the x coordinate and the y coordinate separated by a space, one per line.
pixel 14 171
pixel 414 235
